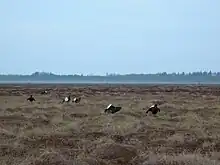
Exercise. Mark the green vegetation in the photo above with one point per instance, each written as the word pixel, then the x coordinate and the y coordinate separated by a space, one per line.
pixel 194 77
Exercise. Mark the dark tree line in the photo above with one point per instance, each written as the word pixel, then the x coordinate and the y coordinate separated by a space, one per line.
pixel 158 77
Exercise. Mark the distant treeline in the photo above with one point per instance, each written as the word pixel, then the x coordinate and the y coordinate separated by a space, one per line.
pixel 196 77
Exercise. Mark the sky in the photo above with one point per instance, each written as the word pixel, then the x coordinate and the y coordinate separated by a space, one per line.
pixel 109 36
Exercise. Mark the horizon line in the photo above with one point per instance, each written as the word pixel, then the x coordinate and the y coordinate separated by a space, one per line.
pixel 106 74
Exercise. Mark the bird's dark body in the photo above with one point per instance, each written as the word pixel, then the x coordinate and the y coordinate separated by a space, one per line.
pixel 44 92
pixel 77 100
pixel 31 98
pixel 154 110
pixel 112 109
pixel 69 98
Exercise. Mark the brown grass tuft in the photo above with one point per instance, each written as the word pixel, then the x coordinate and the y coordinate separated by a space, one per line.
pixel 185 132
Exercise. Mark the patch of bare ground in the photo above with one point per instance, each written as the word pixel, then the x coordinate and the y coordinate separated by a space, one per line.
pixel 185 132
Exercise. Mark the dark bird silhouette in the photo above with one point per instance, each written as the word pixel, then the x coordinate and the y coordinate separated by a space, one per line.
pixel 112 109
pixel 44 92
pixel 77 100
pixel 66 99
pixel 31 98
pixel 154 109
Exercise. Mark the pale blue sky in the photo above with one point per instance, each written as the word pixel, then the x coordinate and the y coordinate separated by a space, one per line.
pixel 83 36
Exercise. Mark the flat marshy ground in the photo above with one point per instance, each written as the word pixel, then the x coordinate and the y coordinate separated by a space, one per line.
pixel 186 131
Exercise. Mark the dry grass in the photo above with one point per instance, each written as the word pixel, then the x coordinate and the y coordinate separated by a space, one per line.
pixel 185 132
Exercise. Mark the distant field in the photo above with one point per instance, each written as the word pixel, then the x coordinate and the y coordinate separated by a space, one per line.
pixel 186 131
pixel 111 82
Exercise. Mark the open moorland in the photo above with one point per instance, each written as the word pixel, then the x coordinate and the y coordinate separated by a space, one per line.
pixel 46 132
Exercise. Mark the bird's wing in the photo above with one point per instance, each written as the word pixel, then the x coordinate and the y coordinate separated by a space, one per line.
pixel 151 106
pixel 109 106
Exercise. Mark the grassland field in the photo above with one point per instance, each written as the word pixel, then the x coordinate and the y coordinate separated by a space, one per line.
pixel 46 132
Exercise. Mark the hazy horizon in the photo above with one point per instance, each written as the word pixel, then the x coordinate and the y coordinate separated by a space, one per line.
pixel 82 37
